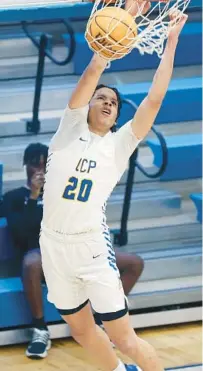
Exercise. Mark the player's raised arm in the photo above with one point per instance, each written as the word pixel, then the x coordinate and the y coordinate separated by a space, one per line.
pixel 87 83
pixel 74 120
pixel 149 108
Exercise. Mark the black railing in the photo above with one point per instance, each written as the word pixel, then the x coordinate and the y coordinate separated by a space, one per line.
pixel 121 236
pixel 33 126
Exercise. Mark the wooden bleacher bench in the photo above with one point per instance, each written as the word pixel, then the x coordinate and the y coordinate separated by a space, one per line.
pixel 12 296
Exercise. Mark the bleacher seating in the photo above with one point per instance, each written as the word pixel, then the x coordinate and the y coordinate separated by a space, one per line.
pixel 184 156
pixel 12 295
pixel 72 11
pixel 21 36
pixel 170 239
pixel 197 199
pixel 183 101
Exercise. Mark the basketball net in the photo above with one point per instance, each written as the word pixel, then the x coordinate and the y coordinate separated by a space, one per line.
pixel 153 27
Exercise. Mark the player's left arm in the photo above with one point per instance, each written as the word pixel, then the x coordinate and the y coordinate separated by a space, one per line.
pixel 149 108
pixel 137 7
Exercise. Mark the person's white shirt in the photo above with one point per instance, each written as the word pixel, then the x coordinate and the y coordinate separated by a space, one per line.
pixel 82 170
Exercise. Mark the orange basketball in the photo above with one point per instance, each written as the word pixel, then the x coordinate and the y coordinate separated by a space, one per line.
pixel 111 32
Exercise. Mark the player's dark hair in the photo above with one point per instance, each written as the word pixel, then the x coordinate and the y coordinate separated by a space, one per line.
pixel 100 86
pixel 33 152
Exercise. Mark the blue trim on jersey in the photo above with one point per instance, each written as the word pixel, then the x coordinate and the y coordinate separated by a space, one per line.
pixel 110 246
pixel 108 240
pixel 112 253
pixel 112 260
pixel 106 234
pixel 104 225
pixel 113 266
pixel 47 166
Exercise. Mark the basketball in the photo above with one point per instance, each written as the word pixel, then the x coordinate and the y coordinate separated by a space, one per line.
pixel 111 32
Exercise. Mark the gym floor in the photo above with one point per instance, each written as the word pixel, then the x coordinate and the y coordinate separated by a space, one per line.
pixel 178 346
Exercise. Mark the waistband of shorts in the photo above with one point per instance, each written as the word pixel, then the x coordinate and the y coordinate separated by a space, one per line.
pixel 80 236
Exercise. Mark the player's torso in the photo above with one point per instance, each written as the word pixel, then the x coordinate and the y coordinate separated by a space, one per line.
pixel 79 180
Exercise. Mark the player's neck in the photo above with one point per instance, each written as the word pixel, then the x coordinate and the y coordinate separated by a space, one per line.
pixel 98 132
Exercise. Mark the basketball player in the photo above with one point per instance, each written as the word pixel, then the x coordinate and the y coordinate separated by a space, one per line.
pixel 23 209
pixel 85 162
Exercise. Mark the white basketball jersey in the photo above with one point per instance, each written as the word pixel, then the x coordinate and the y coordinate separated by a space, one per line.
pixel 82 170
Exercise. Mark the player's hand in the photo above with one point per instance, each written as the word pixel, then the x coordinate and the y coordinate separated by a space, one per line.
pixel 137 7
pixel 176 25
pixel 36 184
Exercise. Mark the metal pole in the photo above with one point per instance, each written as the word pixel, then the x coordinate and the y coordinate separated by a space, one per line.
pixel 122 237
pixel 33 126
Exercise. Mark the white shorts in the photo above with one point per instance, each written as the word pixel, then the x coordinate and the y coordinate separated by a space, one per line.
pixel 82 268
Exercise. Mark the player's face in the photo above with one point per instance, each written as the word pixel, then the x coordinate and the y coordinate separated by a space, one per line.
pixel 103 110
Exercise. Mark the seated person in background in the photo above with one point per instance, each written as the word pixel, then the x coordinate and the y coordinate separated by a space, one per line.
pixel 130 267
pixel 23 210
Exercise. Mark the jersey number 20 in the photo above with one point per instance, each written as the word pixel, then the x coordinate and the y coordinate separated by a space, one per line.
pixel 80 191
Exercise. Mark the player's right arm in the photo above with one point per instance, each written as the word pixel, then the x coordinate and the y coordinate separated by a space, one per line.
pixel 86 86
pixel 74 121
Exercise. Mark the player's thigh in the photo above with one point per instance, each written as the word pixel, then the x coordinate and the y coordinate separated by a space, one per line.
pixel 105 290
pixel 131 263
pixel 65 291
pixel 81 322
pixel 31 266
pixel 32 258
pixel 122 260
